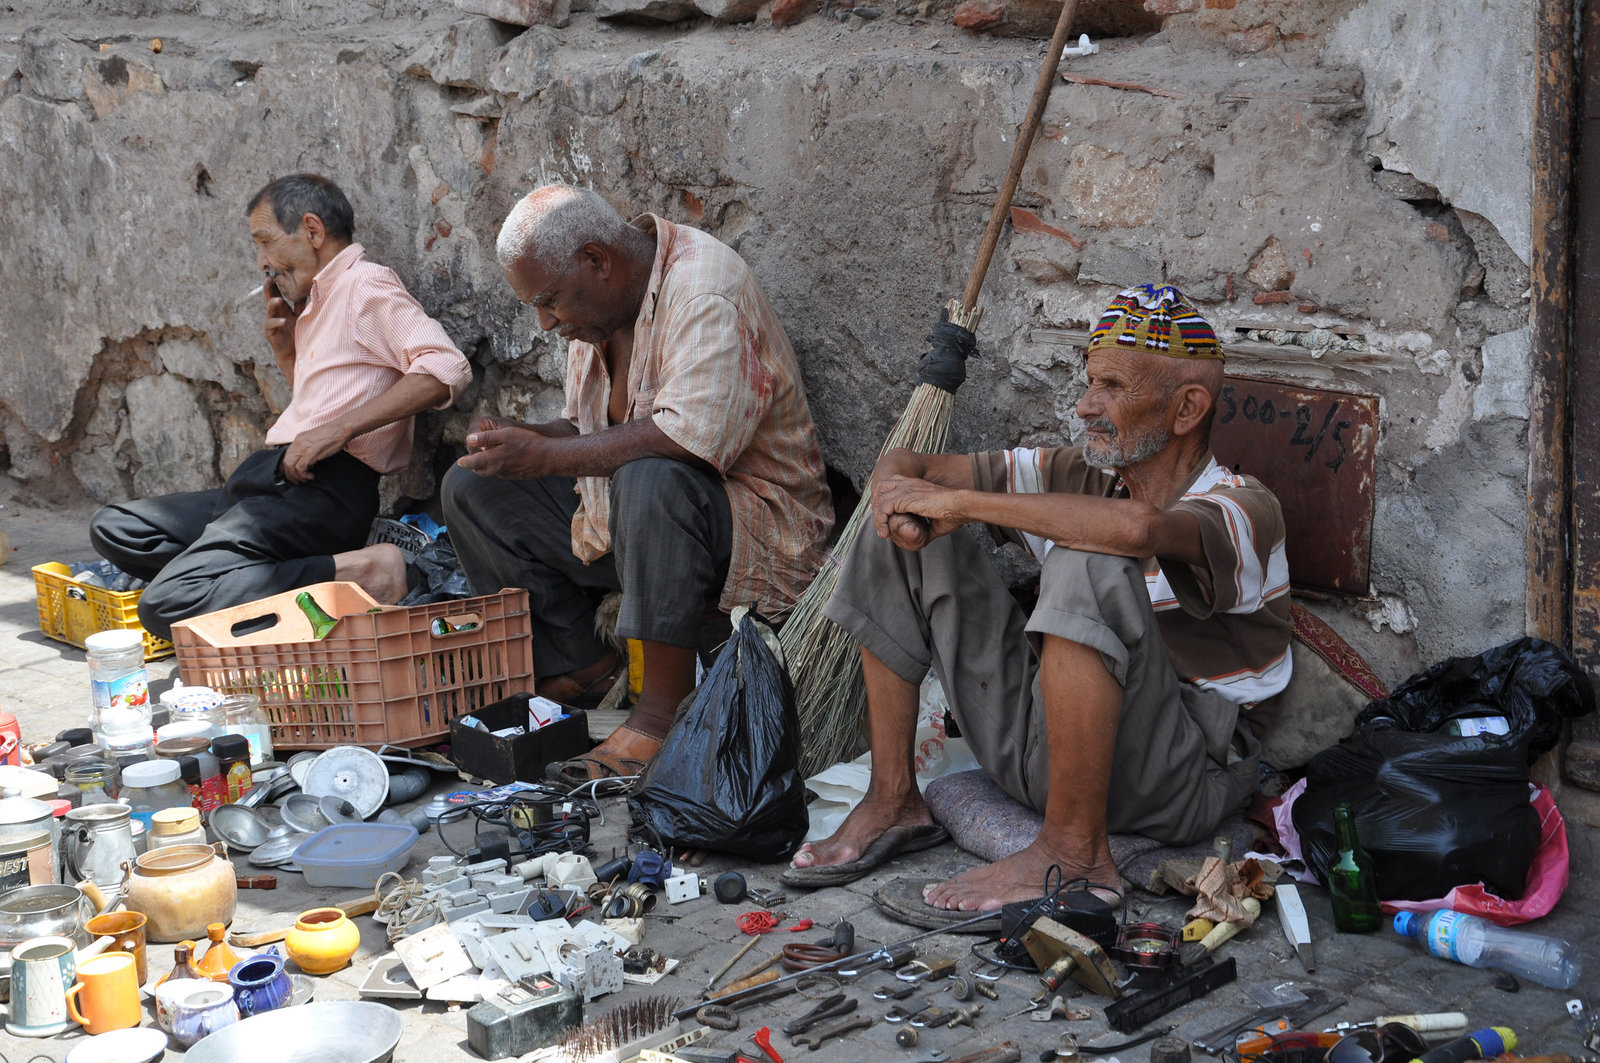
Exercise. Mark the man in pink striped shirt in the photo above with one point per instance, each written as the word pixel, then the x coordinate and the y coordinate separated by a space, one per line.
pixel 362 358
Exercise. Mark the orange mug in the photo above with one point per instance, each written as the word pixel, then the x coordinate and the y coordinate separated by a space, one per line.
pixel 126 931
pixel 108 992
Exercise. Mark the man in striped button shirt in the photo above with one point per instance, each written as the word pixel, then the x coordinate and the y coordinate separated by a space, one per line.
pixel 1122 703
pixel 684 470
pixel 362 358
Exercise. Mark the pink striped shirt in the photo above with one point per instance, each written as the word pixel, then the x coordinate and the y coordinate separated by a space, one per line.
pixel 359 332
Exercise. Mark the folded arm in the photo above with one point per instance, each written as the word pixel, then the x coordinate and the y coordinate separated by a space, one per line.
pixel 918 497
pixel 411 394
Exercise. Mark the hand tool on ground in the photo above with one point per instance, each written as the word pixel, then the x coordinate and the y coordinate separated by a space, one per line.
pixel 1131 1012
pixel 1296 927
pixel 763 1040
pixel 1453 1023
pixel 1058 1007
pixel 778 988
pixel 1222 1039
pixel 828 1008
pixel 1004 1052
pixel 1194 951
pixel 351 909
pixel 725 968
pixel 1118 1046
pixel 873 960
pixel 814 1041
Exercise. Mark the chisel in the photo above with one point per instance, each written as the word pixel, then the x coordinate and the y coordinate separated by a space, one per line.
pixel 1296 927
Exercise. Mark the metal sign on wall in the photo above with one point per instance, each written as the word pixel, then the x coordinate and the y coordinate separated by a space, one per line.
pixel 1317 450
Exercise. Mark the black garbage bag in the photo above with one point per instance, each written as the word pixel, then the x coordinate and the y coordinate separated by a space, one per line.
pixel 728 775
pixel 1437 810
pixel 436 576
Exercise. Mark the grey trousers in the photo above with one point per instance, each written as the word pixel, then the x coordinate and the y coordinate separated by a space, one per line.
pixel 256 536
pixel 1184 758
pixel 671 537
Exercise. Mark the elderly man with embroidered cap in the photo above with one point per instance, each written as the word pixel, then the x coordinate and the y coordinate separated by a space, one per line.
pixel 1121 704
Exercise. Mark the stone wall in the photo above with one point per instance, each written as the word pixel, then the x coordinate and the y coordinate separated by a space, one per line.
pixel 1312 152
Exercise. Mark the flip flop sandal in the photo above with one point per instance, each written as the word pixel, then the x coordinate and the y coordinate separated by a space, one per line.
pixel 574 695
pixel 896 841
pixel 580 771
pixel 902 900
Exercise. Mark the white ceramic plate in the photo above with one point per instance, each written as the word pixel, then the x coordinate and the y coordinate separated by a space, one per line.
pixel 142 1045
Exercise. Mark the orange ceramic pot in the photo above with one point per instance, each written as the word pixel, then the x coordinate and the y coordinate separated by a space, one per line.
pixel 322 941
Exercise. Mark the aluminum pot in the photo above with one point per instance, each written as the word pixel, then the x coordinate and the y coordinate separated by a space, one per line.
pixel 44 911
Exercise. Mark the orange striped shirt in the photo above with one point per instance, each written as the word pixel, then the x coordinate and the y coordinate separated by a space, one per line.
pixel 359 332
pixel 712 367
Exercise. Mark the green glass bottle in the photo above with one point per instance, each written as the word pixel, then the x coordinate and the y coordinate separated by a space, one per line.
pixel 1351 879
pixel 321 622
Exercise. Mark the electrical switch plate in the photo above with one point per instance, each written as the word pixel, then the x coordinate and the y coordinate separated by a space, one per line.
pixel 389 978
pixel 433 956
pixel 684 887
pixel 519 954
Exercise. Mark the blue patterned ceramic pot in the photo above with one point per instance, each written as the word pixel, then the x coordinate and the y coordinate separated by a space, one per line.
pixel 260 983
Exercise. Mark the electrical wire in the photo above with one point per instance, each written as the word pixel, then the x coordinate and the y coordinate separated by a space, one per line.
pixel 566 827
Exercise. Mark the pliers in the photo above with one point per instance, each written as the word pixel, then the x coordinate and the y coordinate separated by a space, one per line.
pixel 829 1008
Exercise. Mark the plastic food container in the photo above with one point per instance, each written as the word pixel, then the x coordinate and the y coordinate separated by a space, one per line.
pixel 354 854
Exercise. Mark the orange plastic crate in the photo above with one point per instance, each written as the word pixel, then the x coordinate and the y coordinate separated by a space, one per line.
pixel 70 611
pixel 377 678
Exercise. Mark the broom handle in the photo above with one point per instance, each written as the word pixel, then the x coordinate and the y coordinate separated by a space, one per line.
pixel 1019 158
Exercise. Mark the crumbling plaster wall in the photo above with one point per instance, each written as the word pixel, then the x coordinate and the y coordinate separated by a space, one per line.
pixel 1271 145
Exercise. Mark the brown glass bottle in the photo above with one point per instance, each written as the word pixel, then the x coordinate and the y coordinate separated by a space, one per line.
pixel 1351 879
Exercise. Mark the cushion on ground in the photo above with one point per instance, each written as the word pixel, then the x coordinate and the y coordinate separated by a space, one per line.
pixel 990 824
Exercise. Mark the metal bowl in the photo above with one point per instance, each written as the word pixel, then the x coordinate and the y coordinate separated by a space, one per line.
pixel 303 813
pixel 335 1031
pixel 239 826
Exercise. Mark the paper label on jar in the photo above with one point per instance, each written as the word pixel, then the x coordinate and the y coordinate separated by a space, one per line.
pixel 131 691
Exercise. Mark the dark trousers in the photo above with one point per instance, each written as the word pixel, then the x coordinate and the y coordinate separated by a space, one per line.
pixel 671 537
pixel 255 536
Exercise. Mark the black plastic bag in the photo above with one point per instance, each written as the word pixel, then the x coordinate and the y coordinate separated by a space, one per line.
pixel 1437 810
pixel 436 576
pixel 728 775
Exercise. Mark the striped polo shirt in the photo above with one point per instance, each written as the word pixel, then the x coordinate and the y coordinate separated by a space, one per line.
pixel 1226 624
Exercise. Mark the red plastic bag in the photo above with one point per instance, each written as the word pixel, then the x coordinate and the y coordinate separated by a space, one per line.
pixel 1547 876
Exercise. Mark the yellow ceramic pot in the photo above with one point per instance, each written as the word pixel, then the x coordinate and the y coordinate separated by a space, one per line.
pixel 322 941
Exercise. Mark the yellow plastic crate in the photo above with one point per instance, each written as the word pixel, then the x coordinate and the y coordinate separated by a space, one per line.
pixel 70 611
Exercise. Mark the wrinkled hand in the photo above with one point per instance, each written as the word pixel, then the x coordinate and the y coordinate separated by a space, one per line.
pixel 508 450
pixel 280 322
pixel 310 447
pixel 912 512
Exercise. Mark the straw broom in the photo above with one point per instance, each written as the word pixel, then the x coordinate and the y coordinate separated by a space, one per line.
pixel 824 660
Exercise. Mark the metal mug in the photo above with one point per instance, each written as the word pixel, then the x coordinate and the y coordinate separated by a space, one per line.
pixel 41 971
pixel 95 842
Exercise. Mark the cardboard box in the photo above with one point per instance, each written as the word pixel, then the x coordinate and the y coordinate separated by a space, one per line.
pixel 520 757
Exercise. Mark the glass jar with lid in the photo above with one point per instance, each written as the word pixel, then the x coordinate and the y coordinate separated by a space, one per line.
pixel 152 785
pixel 175 826
pixel 119 689
pixel 208 789
pixel 193 712
pixel 244 716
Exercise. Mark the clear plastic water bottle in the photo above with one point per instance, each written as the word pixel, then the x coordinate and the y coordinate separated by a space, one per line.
pixel 1476 942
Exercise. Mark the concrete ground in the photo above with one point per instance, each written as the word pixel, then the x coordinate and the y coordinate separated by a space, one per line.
pixel 45 684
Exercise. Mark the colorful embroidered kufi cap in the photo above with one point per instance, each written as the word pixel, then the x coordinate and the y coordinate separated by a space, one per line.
pixel 1158 320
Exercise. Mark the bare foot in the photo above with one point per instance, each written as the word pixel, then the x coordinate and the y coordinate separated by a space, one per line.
pixel 1019 877
pixel 863 826
pixel 379 569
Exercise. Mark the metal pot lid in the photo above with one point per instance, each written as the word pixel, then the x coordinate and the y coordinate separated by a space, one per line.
pixel 302 812
pixel 275 852
pixel 339 810
pixel 14 810
pixel 355 774
pixel 299 764
pixel 239 826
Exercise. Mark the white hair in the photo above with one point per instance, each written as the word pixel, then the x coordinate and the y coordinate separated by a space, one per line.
pixel 552 223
